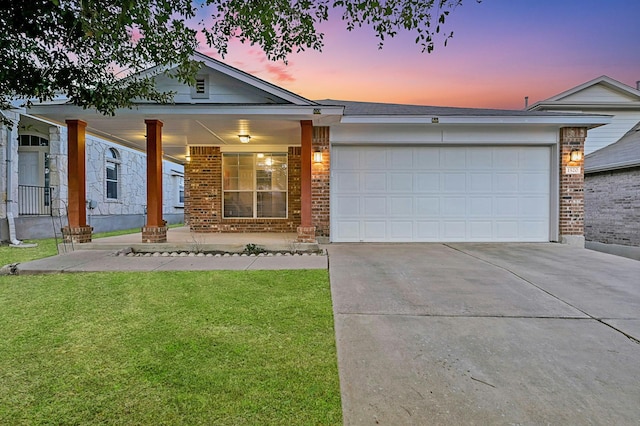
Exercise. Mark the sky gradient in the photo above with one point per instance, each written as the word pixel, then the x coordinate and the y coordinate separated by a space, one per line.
pixel 502 51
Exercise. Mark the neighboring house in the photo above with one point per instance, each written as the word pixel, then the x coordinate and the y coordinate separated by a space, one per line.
pixel 602 95
pixel 34 181
pixel 259 158
pixel 611 179
pixel 612 197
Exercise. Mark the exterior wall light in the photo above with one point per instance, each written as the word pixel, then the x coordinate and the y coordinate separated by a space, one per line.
pixel 317 157
pixel 244 138
pixel 575 155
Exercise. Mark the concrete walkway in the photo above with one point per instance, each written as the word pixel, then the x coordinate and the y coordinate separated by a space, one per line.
pixel 108 260
pixel 102 254
pixel 464 334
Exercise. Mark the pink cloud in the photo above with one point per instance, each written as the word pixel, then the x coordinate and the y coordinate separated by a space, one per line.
pixel 279 72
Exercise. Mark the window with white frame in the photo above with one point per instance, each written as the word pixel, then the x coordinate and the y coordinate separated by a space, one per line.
pixel 255 185
pixel 178 187
pixel 112 164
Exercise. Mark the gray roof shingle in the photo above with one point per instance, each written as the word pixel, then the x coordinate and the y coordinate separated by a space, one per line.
pixel 619 155
pixel 383 109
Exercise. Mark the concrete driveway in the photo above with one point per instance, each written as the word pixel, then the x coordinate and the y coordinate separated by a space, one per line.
pixel 449 334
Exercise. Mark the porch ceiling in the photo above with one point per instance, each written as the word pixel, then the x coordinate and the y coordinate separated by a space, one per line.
pixel 185 125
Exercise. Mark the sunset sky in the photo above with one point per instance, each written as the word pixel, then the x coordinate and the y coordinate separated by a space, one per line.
pixel 502 51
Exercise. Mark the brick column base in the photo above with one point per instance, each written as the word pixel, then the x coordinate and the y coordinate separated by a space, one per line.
pixel 154 234
pixel 306 234
pixel 80 234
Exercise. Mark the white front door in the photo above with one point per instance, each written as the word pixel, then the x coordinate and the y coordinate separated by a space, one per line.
pixel 462 193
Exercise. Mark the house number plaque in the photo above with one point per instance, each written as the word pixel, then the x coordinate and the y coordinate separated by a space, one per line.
pixel 572 170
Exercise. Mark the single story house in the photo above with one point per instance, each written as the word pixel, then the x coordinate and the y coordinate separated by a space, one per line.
pixel 259 158
pixel 612 197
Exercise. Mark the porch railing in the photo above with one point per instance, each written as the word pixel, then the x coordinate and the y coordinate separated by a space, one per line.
pixel 34 200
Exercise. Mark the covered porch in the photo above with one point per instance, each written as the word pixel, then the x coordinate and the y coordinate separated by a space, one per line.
pixel 201 138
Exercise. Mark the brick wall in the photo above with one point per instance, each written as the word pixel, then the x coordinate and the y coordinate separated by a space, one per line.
pixel 320 182
pixel 571 185
pixel 612 207
pixel 203 195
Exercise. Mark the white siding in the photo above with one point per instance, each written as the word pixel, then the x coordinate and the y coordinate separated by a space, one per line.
pixel 221 89
pixel 598 93
pixel 605 135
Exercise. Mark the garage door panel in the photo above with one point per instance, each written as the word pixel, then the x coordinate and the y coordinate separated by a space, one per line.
pixel 427 158
pixel 454 206
pixel 506 230
pixel 454 182
pixel 349 159
pixel 427 206
pixel 506 182
pixel 441 193
pixel 374 230
pixel 374 159
pixel 532 207
pixel 479 159
pixel 374 206
pixel 453 159
pixel 480 182
pixel 480 207
pixel 481 230
pixel 427 182
pixel 374 182
pixel 348 206
pixel 400 159
pixel 349 230
pixel 346 182
pixel 401 207
pixel 400 182
pixel 534 182
pixel 506 158
pixel 400 230
pixel 427 230
pixel 531 159
pixel 531 229
pixel 455 230
pixel 506 206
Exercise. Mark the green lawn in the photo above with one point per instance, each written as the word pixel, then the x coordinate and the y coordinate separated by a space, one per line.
pixel 220 347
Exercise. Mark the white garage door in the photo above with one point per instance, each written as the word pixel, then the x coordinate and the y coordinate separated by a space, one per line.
pixel 440 193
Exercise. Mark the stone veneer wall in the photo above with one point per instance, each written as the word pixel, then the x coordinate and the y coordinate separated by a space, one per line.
pixel 126 212
pixel 203 195
pixel 321 183
pixel 571 185
pixel 132 190
pixel 612 207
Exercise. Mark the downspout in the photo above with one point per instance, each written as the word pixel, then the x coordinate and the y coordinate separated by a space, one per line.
pixel 9 182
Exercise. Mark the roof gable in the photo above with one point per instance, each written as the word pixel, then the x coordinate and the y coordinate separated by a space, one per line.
pixel 224 84
pixel 601 90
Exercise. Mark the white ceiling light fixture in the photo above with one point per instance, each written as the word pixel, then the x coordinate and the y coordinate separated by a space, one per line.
pixel 244 138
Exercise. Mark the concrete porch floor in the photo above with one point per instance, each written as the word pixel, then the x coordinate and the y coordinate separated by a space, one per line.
pixel 182 239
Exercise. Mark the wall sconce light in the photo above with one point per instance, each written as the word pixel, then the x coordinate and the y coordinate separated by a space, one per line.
pixel 187 158
pixel 317 157
pixel 244 138
pixel 575 155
